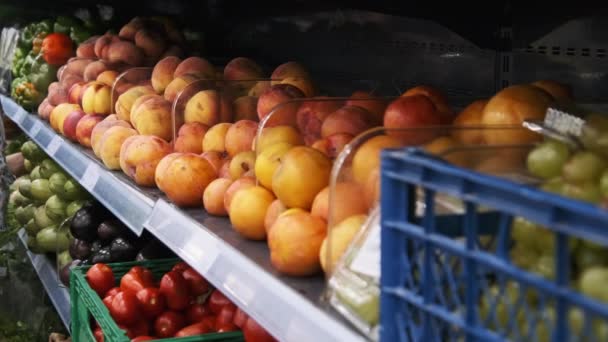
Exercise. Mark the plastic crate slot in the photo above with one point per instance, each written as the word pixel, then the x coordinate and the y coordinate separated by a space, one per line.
pixel 571 52
pixel 585 52
pixel 601 53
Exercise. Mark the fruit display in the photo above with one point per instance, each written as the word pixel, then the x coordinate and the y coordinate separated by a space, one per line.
pixel 176 303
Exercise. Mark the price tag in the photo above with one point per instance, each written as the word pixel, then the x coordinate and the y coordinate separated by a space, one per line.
pixel 54 145
pixel 564 123
pixel 367 260
pixel 90 177
pixel 35 129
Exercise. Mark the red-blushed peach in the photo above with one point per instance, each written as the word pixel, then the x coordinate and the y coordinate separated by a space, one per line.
pixel 259 88
pixel 374 105
pixel 239 184
pixel 96 99
pixel 185 178
pixel 85 128
pixel 273 102
pixel 367 157
pixel 110 143
pixel 304 84
pixel 311 115
pixel 177 85
pixel 208 107
pixel 153 117
pixel 195 66
pixel 224 170
pixel 125 101
pixel 332 145
pixel 102 127
pixel 470 116
pixel 163 71
pixel 245 108
pixel 213 197
pixel 216 159
pixel 107 77
pixel 351 120
pixel 248 210
pixel 289 69
pixel 415 111
pixel 241 163
pixel 275 209
pixel 346 202
pixel 190 138
pixel 140 155
pixel 239 136
pixel 437 97
pixel 71 122
pixel 59 113
pixel 242 68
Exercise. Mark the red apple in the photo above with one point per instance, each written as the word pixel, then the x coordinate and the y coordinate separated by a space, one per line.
pixel 409 112
pixel 71 122
pixel 84 128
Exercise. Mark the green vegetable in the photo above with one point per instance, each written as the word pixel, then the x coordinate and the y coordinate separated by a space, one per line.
pixel 79 34
pixel 17 182
pixel 25 187
pixel 12 146
pixel 28 61
pixel 55 208
pixel 32 245
pixel 74 191
pixel 42 74
pixel 9 216
pixel 24 214
pixel 32 152
pixel 57 184
pixel 64 24
pixel 73 207
pixel 17 199
pixel 35 174
pixel 40 189
pixel 52 239
pixel 42 220
pixel 31 227
pixel 26 95
pixel 18 59
pixel 48 167
pixel 27 165
pixel 63 258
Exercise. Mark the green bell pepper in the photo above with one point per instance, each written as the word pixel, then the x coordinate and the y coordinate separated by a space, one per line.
pixel 42 74
pixel 18 59
pixel 30 59
pixel 26 95
pixel 79 34
pixel 65 24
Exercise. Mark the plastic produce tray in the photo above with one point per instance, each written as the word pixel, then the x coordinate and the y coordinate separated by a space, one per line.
pixel 435 272
pixel 86 304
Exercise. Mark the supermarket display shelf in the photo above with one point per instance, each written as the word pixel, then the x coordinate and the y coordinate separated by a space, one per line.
pixel 291 309
pixel 47 272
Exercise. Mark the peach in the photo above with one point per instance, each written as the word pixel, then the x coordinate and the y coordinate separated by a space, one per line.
pixel 190 138
pixel 45 109
pixel 338 240
pixel 371 188
pixel 348 119
pixel 268 161
pixel 215 158
pixel 277 134
pixel 152 42
pixel 303 172
pixel 213 197
pixel 374 106
pixel 241 183
pixel 289 69
pixel 185 178
pixel 129 30
pixel 75 92
pixel 163 71
pixel 272 102
pixel 177 85
pixel 245 108
pixel 241 163
pixel 437 97
pixel 57 94
pixel 100 129
pixel 259 88
pixel 60 113
pixel 195 66
pixel 85 128
pixel 124 103
pixel 71 122
pixel 86 49
pixel 124 52
pixel 248 211
pixel 367 156
pixel 173 51
pixel 512 106
pixel 102 43
pixel 164 164
pixel 302 83
pixel 239 136
pixel 141 99
pixel 559 91
pixel 273 212
pixel 208 107
pixel 153 117
pixel 311 115
pixel 332 145
pixel 140 155
pixel 93 70
pixel 409 112
pixel 345 201
pixel 295 242
pixel 442 145
pixel 224 170
pixel 109 145
pixel 242 68
pixel 215 138
pixel 107 77
pixel 470 116
pixel 97 99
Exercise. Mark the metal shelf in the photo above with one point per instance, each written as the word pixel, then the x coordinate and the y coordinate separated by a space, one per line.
pixel 47 272
pixel 290 308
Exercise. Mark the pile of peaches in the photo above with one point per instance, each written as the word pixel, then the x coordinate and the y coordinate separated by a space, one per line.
pixel 259 148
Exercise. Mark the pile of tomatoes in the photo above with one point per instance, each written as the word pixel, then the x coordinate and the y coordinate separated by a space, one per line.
pixel 181 304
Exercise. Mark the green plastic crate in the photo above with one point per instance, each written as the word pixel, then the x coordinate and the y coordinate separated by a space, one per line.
pixel 85 303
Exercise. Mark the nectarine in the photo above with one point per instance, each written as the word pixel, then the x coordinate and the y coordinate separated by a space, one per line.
pixel 338 239
pixel 190 138
pixel 248 210
pixel 213 197
pixel 185 178
pixel 140 155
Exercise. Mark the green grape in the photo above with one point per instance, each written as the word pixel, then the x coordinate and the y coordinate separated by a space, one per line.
pixel 593 283
pixel 586 192
pixel 524 257
pixel 584 166
pixel 593 134
pixel 576 320
pixel 604 183
pixel 524 231
pixel 545 266
pixel 586 257
pixel 554 185
pixel 546 160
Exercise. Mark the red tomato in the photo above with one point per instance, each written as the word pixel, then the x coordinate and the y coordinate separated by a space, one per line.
pixel 196 283
pixel 136 279
pixel 175 289
pixel 169 323
pixel 195 312
pixel 240 317
pixel 209 321
pixel 113 291
pixel 253 332
pixel 143 338
pixel 127 330
pixel 56 48
pixel 140 328
pixel 98 334
pixel 180 267
pixel 193 330
pixel 107 301
pixel 151 301
pixel 225 319
pixel 124 308
pixel 101 278
pixel 216 301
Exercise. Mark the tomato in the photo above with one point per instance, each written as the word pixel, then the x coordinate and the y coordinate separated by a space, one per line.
pixel 98 334
pixel 101 278
pixel 196 283
pixel 143 338
pixel 253 332
pixel 175 289
pixel 216 301
pixel 138 278
pixel 195 312
pixel 180 267
pixel 225 319
pixel 107 301
pixel 151 301
pixel 113 291
pixel 56 48
pixel 124 308
pixel 209 321
pixel 169 323
pixel 193 330
pixel 141 327
pixel 127 330
pixel 240 317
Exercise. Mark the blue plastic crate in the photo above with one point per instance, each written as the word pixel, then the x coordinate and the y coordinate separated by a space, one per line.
pixel 441 281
